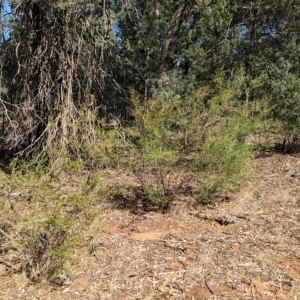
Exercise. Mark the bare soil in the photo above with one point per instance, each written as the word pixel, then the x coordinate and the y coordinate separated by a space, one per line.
pixel 247 247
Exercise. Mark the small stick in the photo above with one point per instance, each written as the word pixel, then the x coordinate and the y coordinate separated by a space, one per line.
pixel 207 286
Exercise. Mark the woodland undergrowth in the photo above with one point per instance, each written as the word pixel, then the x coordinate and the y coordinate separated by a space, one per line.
pixel 202 146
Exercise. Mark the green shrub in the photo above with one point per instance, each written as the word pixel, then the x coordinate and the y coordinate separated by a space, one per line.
pixel 48 246
pixel 207 131
pixel 63 203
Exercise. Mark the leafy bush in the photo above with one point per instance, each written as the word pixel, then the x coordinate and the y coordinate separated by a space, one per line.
pixel 203 135
pixel 48 246
pixel 64 205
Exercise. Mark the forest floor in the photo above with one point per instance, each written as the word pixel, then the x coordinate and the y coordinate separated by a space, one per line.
pixel 244 247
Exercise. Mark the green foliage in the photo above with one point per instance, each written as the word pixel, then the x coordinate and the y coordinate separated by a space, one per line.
pixel 207 132
pixel 213 84
pixel 157 195
pixel 164 50
pixel 222 157
pixel 48 246
pixel 64 204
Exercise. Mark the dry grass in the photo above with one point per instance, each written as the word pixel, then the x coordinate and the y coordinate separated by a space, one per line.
pixel 245 248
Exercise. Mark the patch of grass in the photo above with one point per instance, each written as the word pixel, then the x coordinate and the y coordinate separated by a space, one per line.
pixel 48 245
pixel 44 216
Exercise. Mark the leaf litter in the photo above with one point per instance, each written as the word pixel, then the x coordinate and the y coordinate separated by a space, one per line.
pixel 244 248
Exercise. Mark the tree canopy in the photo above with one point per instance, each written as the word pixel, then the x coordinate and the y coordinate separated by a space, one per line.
pixel 62 58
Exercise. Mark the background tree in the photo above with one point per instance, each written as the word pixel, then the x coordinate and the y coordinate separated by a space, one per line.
pixel 64 61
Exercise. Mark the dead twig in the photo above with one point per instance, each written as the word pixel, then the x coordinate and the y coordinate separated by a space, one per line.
pixel 208 287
